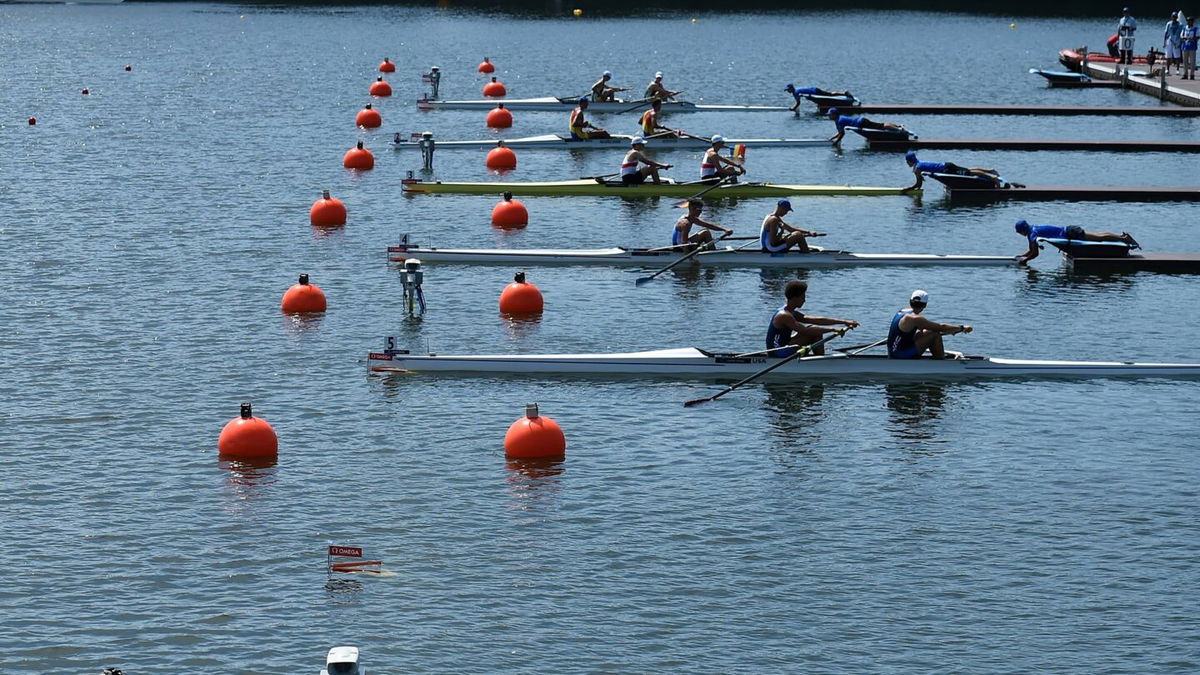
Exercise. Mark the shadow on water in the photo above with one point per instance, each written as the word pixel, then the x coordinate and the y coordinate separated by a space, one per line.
pixel 916 408
pixel 1036 284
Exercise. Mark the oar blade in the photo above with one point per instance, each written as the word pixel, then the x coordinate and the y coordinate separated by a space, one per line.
pixel 641 281
pixel 697 401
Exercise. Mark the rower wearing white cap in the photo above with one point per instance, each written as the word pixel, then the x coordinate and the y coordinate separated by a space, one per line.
pixel 912 334
pixel 602 92
pixel 777 236
pixel 581 129
pixel 656 89
pixel 714 167
pixel 631 174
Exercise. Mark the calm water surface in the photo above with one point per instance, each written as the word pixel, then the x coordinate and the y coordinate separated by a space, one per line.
pixel 150 228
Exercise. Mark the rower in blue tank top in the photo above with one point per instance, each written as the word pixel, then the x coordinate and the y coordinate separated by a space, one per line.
pixel 777 236
pixel 842 122
pixel 681 234
pixel 920 168
pixel 789 327
pixel 1071 232
pixel 911 334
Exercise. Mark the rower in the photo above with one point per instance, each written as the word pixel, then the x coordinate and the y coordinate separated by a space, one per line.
pixel 581 129
pixel 789 326
pixel 656 89
pixel 714 167
pixel 843 121
pixel 650 124
pixel 773 237
pixel 602 92
pixel 631 174
pixel 1071 232
pixel 681 235
pixel 920 168
pixel 800 93
pixel 911 334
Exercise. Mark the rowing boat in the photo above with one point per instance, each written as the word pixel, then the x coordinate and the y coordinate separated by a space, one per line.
pixel 584 187
pixel 616 141
pixel 567 103
pixel 693 362
pixel 649 257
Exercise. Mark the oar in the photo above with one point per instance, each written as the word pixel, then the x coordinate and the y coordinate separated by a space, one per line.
pixel 644 102
pixel 803 351
pixel 607 175
pixel 856 352
pixel 723 181
pixel 685 258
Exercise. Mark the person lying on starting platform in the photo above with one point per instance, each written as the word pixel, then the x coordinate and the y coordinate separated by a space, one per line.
pixel 650 124
pixel 656 89
pixel 714 167
pixel 920 168
pixel 581 129
pixel 631 174
pixel 802 92
pixel 681 235
pixel 772 234
pixel 789 327
pixel 1073 232
pixel 843 121
pixel 911 334
pixel 602 92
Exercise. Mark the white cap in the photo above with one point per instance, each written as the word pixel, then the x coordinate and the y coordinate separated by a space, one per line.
pixel 658 75
pixel 717 138
pixel 607 73
pixel 637 140
pixel 920 296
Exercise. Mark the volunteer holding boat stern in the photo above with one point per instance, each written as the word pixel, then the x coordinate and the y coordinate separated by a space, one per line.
pixel 790 326
pixel 911 334
pixel 631 174
pixel 801 92
pixel 682 235
pixel 843 121
pixel 1072 232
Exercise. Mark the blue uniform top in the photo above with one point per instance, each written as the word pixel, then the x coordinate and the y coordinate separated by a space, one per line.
pixel 1047 232
pixel 930 167
pixel 901 344
pixel 805 91
pixel 779 338
pixel 843 121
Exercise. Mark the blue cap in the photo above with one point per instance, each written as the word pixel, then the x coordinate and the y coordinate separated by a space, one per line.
pixel 833 111
pixel 1022 227
pixel 789 87
pixel 910 157
pixel 784 203
pixel 583 99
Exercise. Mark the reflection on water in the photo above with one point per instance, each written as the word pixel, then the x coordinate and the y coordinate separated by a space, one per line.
pixel 693 282
pixel 343 591
pixel 1037 283
pixel 302 323
pixel 533 487
pixel 773 279
pixel 916 408
pixel 247 481
pixel 520 327
pixel 797 410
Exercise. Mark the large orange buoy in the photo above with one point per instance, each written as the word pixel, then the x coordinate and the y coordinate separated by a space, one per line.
pixel 520 297
pixel 247 437
pixel 494 89
pixel 327 211
pixel 535 437
pixel 303 298
pixel 486 66
pixel 499 118
pixel 510 213
pixel 368 118
pixel 359 158
pixel 387 66
pixel 501 158
pixel 380 88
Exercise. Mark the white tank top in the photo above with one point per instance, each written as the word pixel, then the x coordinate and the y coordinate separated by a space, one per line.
pixel 629 166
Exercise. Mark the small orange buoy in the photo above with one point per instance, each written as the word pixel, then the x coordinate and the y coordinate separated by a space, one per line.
pixel 380 88
pixel 247 437
pixel 520 297
pixel 486 66
pixel 535 437
pixel 327 211
pixel 501 158
pixel 368 118
pixel 32 121
pixel 510 213
pixel 499 118
pixel 494 89
pixel 303 298
pixel 387 66
pixel 359 158
pixel 85 92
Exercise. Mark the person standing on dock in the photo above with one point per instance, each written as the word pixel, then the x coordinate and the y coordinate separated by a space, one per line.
pixel 681 235
pixel 581 129
pixel 911 334
pixel 843 121
pixel 1188 38
pixel 1125 29
pixel 1172 44
pixel 1070 232
pixel 790 327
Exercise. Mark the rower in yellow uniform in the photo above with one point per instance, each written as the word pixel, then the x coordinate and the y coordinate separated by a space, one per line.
pixel 581 129
pixel 714 167
pixel 602 92
pixel 651 127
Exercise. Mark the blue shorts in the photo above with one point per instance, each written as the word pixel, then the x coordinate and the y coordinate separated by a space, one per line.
pixel 910 353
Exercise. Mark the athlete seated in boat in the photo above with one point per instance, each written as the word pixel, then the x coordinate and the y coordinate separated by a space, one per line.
pixel 651 127
pixel 801 93
pixel 1072 232
pixel 843 121
pixel 912 334
pixel 681 235
pixel 714 167
pixel 791 327
pixel 602 92
pixel 920 168
pixel 631 174
pixel 581 129
pixel 777 236
pixel 656 89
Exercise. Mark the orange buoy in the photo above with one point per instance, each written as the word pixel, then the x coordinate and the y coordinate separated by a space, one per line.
pixel 359 158
pixel 535 437
pixel 380 88
pixel 499 118
pixel 303 298
pixel 494 89
pixel 368 118
pixel 387 66
pixel 501 158
pixel 85 92
pixel 247 437
pixel 520 297
pixel 32 121
pixel 327 211
pixel 486 66
pixel 510 213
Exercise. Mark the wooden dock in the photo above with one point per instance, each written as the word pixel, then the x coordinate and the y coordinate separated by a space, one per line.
pixel 1170 263
pixel 1035 144
pixel 1165 88
pixel 1073 194
pixel 957 109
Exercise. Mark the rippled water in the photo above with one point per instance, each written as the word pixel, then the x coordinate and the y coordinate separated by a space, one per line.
pixel 150 228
